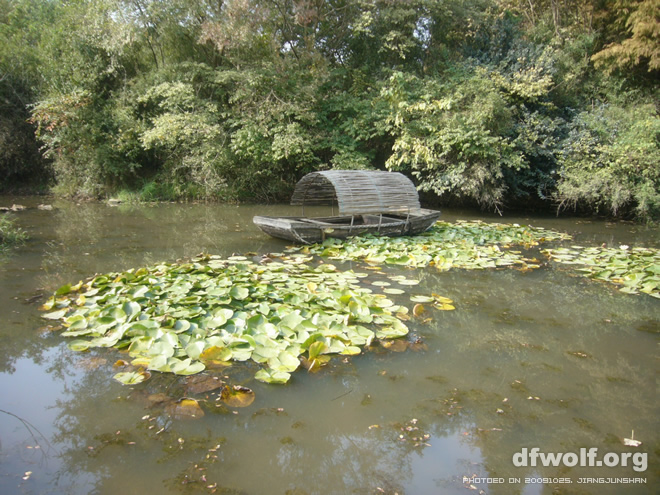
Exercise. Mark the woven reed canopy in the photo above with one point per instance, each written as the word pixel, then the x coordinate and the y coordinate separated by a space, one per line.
pixel 358 191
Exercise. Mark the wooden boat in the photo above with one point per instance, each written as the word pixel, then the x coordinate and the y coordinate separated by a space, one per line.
pixel 368 201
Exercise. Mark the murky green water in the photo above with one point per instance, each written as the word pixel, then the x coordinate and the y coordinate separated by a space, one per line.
pixel 539 359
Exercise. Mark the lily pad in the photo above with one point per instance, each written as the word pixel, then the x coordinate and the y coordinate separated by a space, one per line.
pixel 421 298
pixel 185 317
pixel 185 409
pixel 209 312
pixel 419 310
pixel 79 345
pixel 215 356
pixel 390 333
pixel 467 245
pixel 314 364
pixel 271 376
pixel 55 315
pixel 237 396
pixel 131 377
pixel 198 384
pixel 239 293
pixel 633 270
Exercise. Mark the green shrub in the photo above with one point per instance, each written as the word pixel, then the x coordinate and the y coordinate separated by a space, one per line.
pixel 609 161
pixel 453 136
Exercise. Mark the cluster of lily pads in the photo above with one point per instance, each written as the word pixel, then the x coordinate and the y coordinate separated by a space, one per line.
pixel 633 270
pixel 278 311
pixel 283 312
pixel 464 244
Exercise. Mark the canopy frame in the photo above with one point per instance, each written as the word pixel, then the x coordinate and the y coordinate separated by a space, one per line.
pixel 358 192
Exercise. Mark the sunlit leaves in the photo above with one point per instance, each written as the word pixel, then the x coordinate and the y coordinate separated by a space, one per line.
pixel 467 245
pixel 131 377
pixel 456 140
pixel 209 312
pixel 185 409
pixel 237 396
pixel 633 270
pixel 183 318
pixel 610 157
pixel 640 47
pixel 272 376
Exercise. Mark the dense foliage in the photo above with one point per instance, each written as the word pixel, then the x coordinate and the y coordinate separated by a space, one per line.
pixel 496 102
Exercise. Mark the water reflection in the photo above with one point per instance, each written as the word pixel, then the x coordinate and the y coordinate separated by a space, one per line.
pixel 112 239
pixel 537 359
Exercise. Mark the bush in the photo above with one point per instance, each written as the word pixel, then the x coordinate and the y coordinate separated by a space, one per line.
pixel 453 137
pixel 609 161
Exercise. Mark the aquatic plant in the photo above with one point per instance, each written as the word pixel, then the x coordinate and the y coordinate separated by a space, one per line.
pixel 182 318
pixel 278 311
pixel 281 311
pixel 10 235
pixel 633 270
pixel 464 244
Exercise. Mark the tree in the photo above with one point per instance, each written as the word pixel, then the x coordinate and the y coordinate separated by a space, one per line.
pixel 452 137
pixel 20 35
pixel 638 28
pixel 609 160
pixel 494 102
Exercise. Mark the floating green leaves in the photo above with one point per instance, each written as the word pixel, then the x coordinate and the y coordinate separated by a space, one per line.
pixel 183 318
pixel 633 270
pixel 439 302
pixel 237 396
pixel 131 377
pixel 469 245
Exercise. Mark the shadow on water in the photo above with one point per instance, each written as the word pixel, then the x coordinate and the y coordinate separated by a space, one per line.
pixel 536 359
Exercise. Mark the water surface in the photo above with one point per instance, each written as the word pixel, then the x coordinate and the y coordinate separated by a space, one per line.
pixel 537 359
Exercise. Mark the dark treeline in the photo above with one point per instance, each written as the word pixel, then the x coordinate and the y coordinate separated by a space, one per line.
pixel 497 102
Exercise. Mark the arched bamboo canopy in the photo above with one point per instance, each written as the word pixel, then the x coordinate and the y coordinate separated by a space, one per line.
pixel 358 191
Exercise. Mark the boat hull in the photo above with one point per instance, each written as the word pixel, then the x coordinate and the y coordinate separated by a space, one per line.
pixel 312 230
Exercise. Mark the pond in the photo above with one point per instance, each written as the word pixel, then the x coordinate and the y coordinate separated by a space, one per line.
pixel 528 359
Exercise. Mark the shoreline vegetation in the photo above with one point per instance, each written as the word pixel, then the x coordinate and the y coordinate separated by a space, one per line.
pixel 489 103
